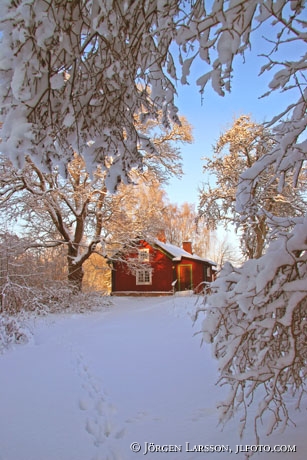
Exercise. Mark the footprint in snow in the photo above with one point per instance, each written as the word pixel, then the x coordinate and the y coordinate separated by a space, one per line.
pixel 100 422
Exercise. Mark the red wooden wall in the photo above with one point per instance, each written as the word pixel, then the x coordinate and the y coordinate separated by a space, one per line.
pixel 163 274
pixel 189 273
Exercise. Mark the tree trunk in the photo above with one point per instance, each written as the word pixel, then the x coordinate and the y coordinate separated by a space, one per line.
pixel 261 231
pixel 256 241
pixel 75 276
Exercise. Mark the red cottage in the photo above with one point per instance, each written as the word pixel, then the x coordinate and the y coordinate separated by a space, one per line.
pixel 159 268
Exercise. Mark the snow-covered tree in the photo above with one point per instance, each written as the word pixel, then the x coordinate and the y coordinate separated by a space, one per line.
pixel 256 319
pixel 224 248
pixel 55 211
pixel 256 315
pixel 236 150
pixel 74 75
pixel 180 223
pixel 21 272
pixel 166 162
pixel 78 213
pixel 11 263
pixel 137 212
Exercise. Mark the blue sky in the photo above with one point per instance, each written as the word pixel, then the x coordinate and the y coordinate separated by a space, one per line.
pixel 217 113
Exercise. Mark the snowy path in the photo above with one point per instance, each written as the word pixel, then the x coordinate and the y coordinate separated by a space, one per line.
pixel 91 385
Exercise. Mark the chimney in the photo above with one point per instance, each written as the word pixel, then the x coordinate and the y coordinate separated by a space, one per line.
pixel 187 246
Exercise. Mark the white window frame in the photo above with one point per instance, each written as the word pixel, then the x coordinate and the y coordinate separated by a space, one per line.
pixel 143 277
pixel 144 255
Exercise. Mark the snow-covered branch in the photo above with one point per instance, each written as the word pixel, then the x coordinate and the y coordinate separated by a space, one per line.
pixel 74 75
pixel 256 319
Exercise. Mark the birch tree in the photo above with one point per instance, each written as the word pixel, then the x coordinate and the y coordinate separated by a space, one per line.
pixel 180 223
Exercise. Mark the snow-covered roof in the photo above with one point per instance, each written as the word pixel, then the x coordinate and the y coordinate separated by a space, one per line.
pixel 178 253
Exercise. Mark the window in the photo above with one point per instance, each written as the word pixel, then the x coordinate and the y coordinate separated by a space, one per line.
pixel 144 255
pixel 143 277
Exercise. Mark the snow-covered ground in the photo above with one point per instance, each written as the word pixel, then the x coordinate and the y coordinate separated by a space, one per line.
pixel 88 386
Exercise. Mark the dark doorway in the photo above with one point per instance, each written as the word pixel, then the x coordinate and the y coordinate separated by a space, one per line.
pixel 185 277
